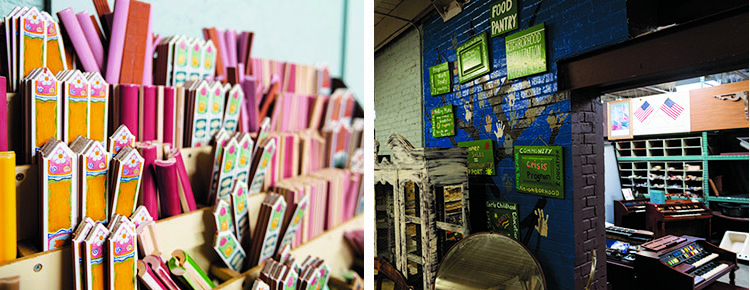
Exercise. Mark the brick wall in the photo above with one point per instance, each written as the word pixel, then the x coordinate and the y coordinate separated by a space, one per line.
pixel 528 111
pixel 588 180
pixel 398 96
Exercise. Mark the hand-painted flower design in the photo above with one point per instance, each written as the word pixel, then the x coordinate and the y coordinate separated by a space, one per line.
pixel 228 251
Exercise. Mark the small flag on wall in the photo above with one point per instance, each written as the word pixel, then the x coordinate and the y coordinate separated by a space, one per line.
pixel 672 109
pixel 643 111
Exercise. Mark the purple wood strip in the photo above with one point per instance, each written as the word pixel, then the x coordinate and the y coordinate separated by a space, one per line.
pixel 150 199
pixel 166 173
pixel 75 33
pixel 129 107
pixel 92 38
pixel 248 87
pixel 169 114
pixel 242 49
pixel 148 120
pixel 230 38
pixel 117 41
pixel 187 190
pixel 222 51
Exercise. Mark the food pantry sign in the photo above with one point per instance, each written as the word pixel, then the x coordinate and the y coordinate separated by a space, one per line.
pixel 525 52
pixel 539 170
pixel 503 17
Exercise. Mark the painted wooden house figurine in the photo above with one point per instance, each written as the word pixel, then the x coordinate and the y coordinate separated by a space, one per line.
pixel 59 189
pixel 430 205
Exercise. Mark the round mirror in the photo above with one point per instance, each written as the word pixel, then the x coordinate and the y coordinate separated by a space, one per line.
pixel 489 261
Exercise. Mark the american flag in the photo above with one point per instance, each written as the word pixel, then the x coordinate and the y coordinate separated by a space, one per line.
pixel 672 109
pixel 643 111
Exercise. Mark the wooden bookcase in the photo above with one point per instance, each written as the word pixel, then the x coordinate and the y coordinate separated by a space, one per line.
pixel 425 201
pixel 192 232
pixel 674 164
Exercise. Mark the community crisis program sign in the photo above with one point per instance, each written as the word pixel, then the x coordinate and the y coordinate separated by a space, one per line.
pixel 539 170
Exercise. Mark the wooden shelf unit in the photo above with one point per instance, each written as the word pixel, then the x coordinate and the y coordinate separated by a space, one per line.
pixel 192 232
pixel 639 161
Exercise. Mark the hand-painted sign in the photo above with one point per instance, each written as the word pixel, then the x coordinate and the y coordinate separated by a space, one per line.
pixel 503 17
pixel 473 58
pixel 442 122
pixel 502 217
pixel 481 160
pixel 525 52
pixel 539 170
pixel 440 79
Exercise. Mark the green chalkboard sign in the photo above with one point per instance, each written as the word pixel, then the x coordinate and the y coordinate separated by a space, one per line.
pixel 503 17
pixel 442 121
pixel 473 58
pixel 440 79
pixel 539 170
pixel 525 52
pixel 502 217
pixel 481 160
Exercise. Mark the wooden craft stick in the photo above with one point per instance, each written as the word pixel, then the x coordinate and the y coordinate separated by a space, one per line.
pixel 181 58
pixel 78 252
pixel 187 199
pixel 7 206
pixel 184 267
pixel 129 107
pixel 161 271
pixel 245 158
pixel 146 231
pixel 32 41
pixel 121 257
pixel 232 111
pixel 218 152
pixel 260 285
pixel 212 35
pixel 127 181
pixel 195 64
pixel 230 38
pixel 226 173
pixel 59 187
pixel 117 41
pixel 94 257
pixel 134 49
pixel 291 227
pixel 222 49
pixel 45 110
pixel 168 187
pixel 55 59
pixel 98 106
pixel 94 166
pixel 148 188
pixel 249 87
pixel 148 57
pixel 218 97
pixel 256 185
pixel 209 60
pixel 248 55
pixel 76 107
pixel 120 139
pixel 168 114
pixel 148 277
pixel 223 217
pixel 239 209
pixel 78 38
pixel 92 38
pixel 229 250
pixel 201 116
pixel 148 113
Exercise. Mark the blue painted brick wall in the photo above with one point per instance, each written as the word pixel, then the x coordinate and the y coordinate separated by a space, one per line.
pixel 530 109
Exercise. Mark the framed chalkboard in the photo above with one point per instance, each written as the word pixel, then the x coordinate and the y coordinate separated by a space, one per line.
pixel 473 58
pixel 442 121
pixel 440 79
pixel 539 170
pixel 481 159
pixel 502 217
pixel 525 52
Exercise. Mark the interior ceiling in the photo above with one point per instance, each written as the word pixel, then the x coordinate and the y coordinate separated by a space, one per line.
pixel 706 81
pixel 392 17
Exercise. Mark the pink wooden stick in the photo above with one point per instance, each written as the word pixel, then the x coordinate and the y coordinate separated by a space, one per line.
pixel 92 38
pixel 148 63
pixel 223 50
pixel 129 107
pixel 230 38
pixel 166 173
pixel 187 190
pixel 149 113
pixel 83 51
pixel 150 199
pixel 169 115
pixel 117 41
